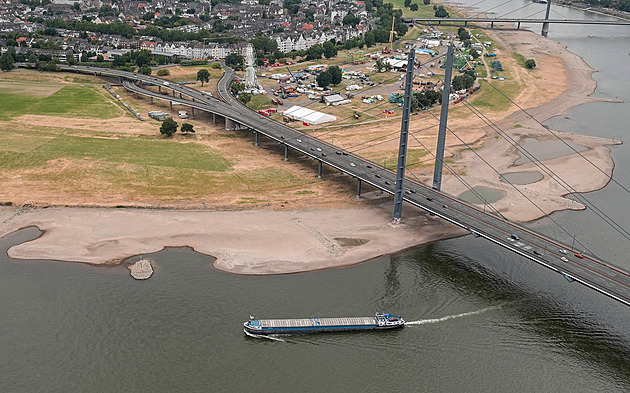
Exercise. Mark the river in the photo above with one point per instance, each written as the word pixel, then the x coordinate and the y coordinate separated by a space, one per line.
pixel 482 319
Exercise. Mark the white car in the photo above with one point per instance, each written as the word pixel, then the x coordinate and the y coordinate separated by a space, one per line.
pixel 562 251
pixel 564 259
pixel 352 164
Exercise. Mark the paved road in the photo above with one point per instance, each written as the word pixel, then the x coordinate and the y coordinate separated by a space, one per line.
pixel 588 270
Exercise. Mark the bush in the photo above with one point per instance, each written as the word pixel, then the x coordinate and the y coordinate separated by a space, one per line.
pixel 216 66
pixel 163 72
pixel 530 64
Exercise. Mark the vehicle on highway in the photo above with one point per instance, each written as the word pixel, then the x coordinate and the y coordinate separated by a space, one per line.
pixel 537 253
pixel 352 164
pixel 514 236
pixel 562 251
pixel 165 83
pixel 299 140
pixel 319 149
pixel 579 255
pixel 564 259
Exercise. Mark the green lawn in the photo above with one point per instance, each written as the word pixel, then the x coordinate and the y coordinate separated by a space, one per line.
pixel 69 101
pixel 34 149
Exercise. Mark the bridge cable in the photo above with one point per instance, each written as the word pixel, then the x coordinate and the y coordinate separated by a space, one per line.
pixel 609 177
pixel 517 189
pixel 461 179
pixel 564 184
pixel 618 228
pixel 491 8
pixel 520 8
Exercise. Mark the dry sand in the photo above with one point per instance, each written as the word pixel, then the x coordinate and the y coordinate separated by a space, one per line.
pixel 247 242
pixel 272 242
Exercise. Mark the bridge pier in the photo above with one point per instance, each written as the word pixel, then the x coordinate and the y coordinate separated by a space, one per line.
pixel 256 135
pixel 173 93
pixel 286 152
pixel 159 89
pixel 358 188
pixel 229 124
pixel 151 99
pixel 319 169
pixel 492 25
pixel 518 25
pixel 192 110
pixel 171 104
pixel 545 26
pixel 214 118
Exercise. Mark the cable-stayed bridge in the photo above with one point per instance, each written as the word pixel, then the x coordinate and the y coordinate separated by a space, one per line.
pixel 586 269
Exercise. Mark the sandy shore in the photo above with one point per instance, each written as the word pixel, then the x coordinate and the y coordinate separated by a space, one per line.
pixel 273 242
pixel 246 242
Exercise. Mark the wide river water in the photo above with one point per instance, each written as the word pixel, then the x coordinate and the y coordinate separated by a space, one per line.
pixel 481 319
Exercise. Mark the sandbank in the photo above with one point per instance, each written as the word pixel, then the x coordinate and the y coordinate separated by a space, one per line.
pixel 245 242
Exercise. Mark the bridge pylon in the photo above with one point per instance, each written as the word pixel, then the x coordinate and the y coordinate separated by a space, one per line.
pixel 441 142
pixel 404 136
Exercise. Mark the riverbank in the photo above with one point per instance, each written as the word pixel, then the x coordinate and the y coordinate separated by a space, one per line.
pixel 244 242
pixel 275 242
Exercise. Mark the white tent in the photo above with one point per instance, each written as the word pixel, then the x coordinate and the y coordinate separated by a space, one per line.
pixel 308 115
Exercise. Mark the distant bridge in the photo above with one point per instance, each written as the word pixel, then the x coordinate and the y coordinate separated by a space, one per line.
pixel 518 21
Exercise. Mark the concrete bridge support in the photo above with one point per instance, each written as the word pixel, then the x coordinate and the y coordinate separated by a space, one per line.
pixel 545 26
pixel 171 104
pixel 256 136
pixel 319 169
pixel 214 118
pixel 229 124
pixel 159 89
pixel 286 153
pixel 151 100
pixel 358 188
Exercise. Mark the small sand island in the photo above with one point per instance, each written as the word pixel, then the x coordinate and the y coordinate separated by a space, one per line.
pixel 247 207
pixel 142 269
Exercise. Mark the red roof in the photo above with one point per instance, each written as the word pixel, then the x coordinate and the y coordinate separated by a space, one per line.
pixel 307 26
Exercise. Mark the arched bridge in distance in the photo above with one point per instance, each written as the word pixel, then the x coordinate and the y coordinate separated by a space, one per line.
pixel 588 270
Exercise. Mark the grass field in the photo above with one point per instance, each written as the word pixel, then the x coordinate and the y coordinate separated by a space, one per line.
pixel 18 99
pixel 50 162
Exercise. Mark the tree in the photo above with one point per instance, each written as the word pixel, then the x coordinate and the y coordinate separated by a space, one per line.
pixel 381 66
pixel 336 75
pixel 329 49
pixel 426 2
pixel 414 7
pixel 51 66
pixel 100 58
pixel 163 72
pixel 324 79
pixel 369 39
pixel 6 62
pixel 474 53
pixel 463 82
pixel 168 127
pixel 234 61
pixel 187 127
pixel 245 98
pixel 350 19
pixel 441 12
pixel 237 87
pixel 32 58
pixel 407 3
pixel 84 57
pixel 530 64
pixel 314 52
pixel 145 70
pixel 203 75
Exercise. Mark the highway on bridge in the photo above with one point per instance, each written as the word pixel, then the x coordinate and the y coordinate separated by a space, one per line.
pixel 586 269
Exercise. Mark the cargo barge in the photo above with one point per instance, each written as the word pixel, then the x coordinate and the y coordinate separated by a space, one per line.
pixel 319 325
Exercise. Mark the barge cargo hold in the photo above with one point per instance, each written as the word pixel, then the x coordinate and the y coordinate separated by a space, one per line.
pixel 318 325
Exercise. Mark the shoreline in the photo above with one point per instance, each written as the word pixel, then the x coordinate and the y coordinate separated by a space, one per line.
pixel 293 241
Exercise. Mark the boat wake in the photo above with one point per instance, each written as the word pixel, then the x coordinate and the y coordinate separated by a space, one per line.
pixel 269 337
pixel 466 314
